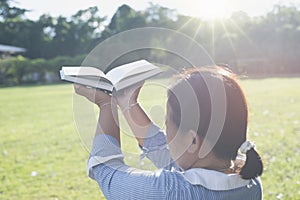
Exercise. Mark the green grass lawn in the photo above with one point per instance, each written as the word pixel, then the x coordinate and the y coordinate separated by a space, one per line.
pixel 42 155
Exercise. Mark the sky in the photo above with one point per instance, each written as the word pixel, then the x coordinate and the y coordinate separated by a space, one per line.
pixel 208 9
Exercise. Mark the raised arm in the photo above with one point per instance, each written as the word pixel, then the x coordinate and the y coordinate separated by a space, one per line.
pixel 134 114
pixel 108 121
pixel 151 138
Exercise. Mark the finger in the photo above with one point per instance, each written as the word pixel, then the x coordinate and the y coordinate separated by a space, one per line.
pixel 119 93
pixel 134 88
pixel 84 91
pixel 123 96
pixel 140 84
pixel 77 88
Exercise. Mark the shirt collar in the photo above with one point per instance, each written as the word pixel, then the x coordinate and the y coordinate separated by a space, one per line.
pixel 214 180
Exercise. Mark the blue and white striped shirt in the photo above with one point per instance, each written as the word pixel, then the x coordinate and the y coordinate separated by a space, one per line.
pixel 119 181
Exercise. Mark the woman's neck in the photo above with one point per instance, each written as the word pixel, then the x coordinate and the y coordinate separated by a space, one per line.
pixel 211 162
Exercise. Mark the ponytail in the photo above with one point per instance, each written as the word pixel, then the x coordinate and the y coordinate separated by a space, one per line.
pixel 253 166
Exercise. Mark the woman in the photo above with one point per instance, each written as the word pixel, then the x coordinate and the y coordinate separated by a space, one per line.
pixel 195 160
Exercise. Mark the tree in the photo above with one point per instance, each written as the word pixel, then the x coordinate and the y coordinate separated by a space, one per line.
pixel 157 15
pixel 10 12
pixel 49 37
pixel 125 18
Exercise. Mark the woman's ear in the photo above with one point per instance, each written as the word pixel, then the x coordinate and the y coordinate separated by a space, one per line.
pixel 196 142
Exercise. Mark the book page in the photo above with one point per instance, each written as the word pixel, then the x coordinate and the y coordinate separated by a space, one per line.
pixel 130 80
pixel 82 71
pixel 117 74
pixel 95 83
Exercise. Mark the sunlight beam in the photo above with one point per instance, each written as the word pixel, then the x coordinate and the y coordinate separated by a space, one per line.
pixel 211 9
pixel 246 36
pixel 229 38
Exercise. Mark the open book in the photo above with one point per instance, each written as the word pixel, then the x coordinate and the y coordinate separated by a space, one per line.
pixel 116 79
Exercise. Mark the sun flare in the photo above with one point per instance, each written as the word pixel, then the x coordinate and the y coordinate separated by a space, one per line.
pixel 210 9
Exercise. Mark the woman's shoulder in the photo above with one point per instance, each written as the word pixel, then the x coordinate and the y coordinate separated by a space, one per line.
pixel 202 183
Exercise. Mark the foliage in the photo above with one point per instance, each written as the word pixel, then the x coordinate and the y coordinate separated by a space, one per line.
pixel 42 156
pixel 268 44
pixel 49 37
pixel 8 12
pixel 21 70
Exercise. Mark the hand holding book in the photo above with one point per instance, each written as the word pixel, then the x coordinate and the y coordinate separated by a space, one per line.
pixel 128 97
pixel 98 97
pixel 137 119
pixel 124 98
pixel 115 80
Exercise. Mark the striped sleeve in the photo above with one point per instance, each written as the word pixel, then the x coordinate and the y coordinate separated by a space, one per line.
pixel 119 181
pixel 156 149
pixel 105 148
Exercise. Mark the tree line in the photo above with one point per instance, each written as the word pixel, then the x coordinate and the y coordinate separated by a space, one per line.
pixel 268 44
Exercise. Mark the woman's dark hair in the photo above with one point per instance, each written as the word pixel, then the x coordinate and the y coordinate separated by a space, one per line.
pixel 193 82
pixel 253 166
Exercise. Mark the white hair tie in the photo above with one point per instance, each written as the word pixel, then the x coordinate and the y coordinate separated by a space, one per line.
pixel 246 146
